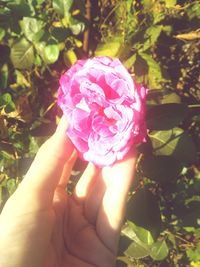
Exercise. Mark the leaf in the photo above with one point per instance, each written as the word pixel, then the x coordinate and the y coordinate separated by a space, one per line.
pixel 154 71
pixel 21 79
pixel 22 54
pixel 127 261
pixel 162 96
pixel 160 168
pixel 130 61
pixel 189 36
pixel 194 254
pixel 143 210
pixel 152 33
pixel 49 51
pixel 166 116
pixel 159 250
pixel 11 186
pixel 170 3
pixel 70 58
pixel 193 11
pixel 111 48
pixel 137 234
pixel 60 34
pixel 30 26
pixel 4 76
pixel 7 103
pixel 2 33
pixel 62 7
pixel 76 26
pixel 174 142
pixel 137 251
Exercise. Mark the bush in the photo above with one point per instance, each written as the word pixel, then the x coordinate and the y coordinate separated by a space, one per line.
pixel 158 41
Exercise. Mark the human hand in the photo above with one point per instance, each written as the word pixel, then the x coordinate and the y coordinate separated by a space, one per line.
pixel 42 226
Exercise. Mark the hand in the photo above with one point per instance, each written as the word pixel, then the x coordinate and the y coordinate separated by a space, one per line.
pixel 42 226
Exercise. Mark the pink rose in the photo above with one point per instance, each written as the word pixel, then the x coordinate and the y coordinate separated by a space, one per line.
pixel 104 107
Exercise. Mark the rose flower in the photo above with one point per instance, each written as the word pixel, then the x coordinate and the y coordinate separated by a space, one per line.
pixel 104 107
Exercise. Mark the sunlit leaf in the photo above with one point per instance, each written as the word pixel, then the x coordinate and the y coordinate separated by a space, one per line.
pixel 76 26
pixel 137 234
pixel 159 250
pixel 22 54
pixel 62 7
pixel 6 102
pixel 2 33
pixel 110 48
pixel 49 51
pixel 30 26
pixel 127 261
pixel 174 142
pixel 194 254
pixel 137 251
pixel 70 58
pixel 152 33
pixel 154 71
pixel 189 36
pixel 4 76
pixel 170 3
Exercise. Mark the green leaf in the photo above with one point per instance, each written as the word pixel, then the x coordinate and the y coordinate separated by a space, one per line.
pixel 127 261
pixel 174 142
pixel 7 103
pixel 2 33
pixel 143 210
pixel 162 96
pixel 194 254
pixel 159 250
pixel 166 116
pixel 39 2
pixel 30 26
pixel 48 51
pixel 11 186
pixel 130 61
pixel 22 54
pixel 193 11
pixel 4 76
pixel 51 53
pixel 152 33
pixel 76 26
pixel 20 8
pixel 137 251
pixel 147 4
pixel 160 168
pixel 170 3
pixel 154 71
pixel 111 48
pixel 137 234
pixel 70 58
pixel 62 7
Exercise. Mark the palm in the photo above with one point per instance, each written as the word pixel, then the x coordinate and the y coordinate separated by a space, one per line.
pixel 75 240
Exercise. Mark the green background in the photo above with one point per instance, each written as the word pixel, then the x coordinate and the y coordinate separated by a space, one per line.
pixel 158 41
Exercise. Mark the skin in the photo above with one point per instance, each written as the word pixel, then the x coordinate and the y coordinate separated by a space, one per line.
pixel 42 226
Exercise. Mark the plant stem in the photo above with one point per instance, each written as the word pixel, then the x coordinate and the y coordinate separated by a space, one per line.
pixel 87 32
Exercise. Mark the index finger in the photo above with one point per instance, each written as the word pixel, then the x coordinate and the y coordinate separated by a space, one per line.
pixel 46 169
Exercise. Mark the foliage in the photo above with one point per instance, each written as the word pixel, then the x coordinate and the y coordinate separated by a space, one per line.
pixel 158 41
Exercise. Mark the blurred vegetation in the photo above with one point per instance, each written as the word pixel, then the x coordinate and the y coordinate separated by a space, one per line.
pixel 158 41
